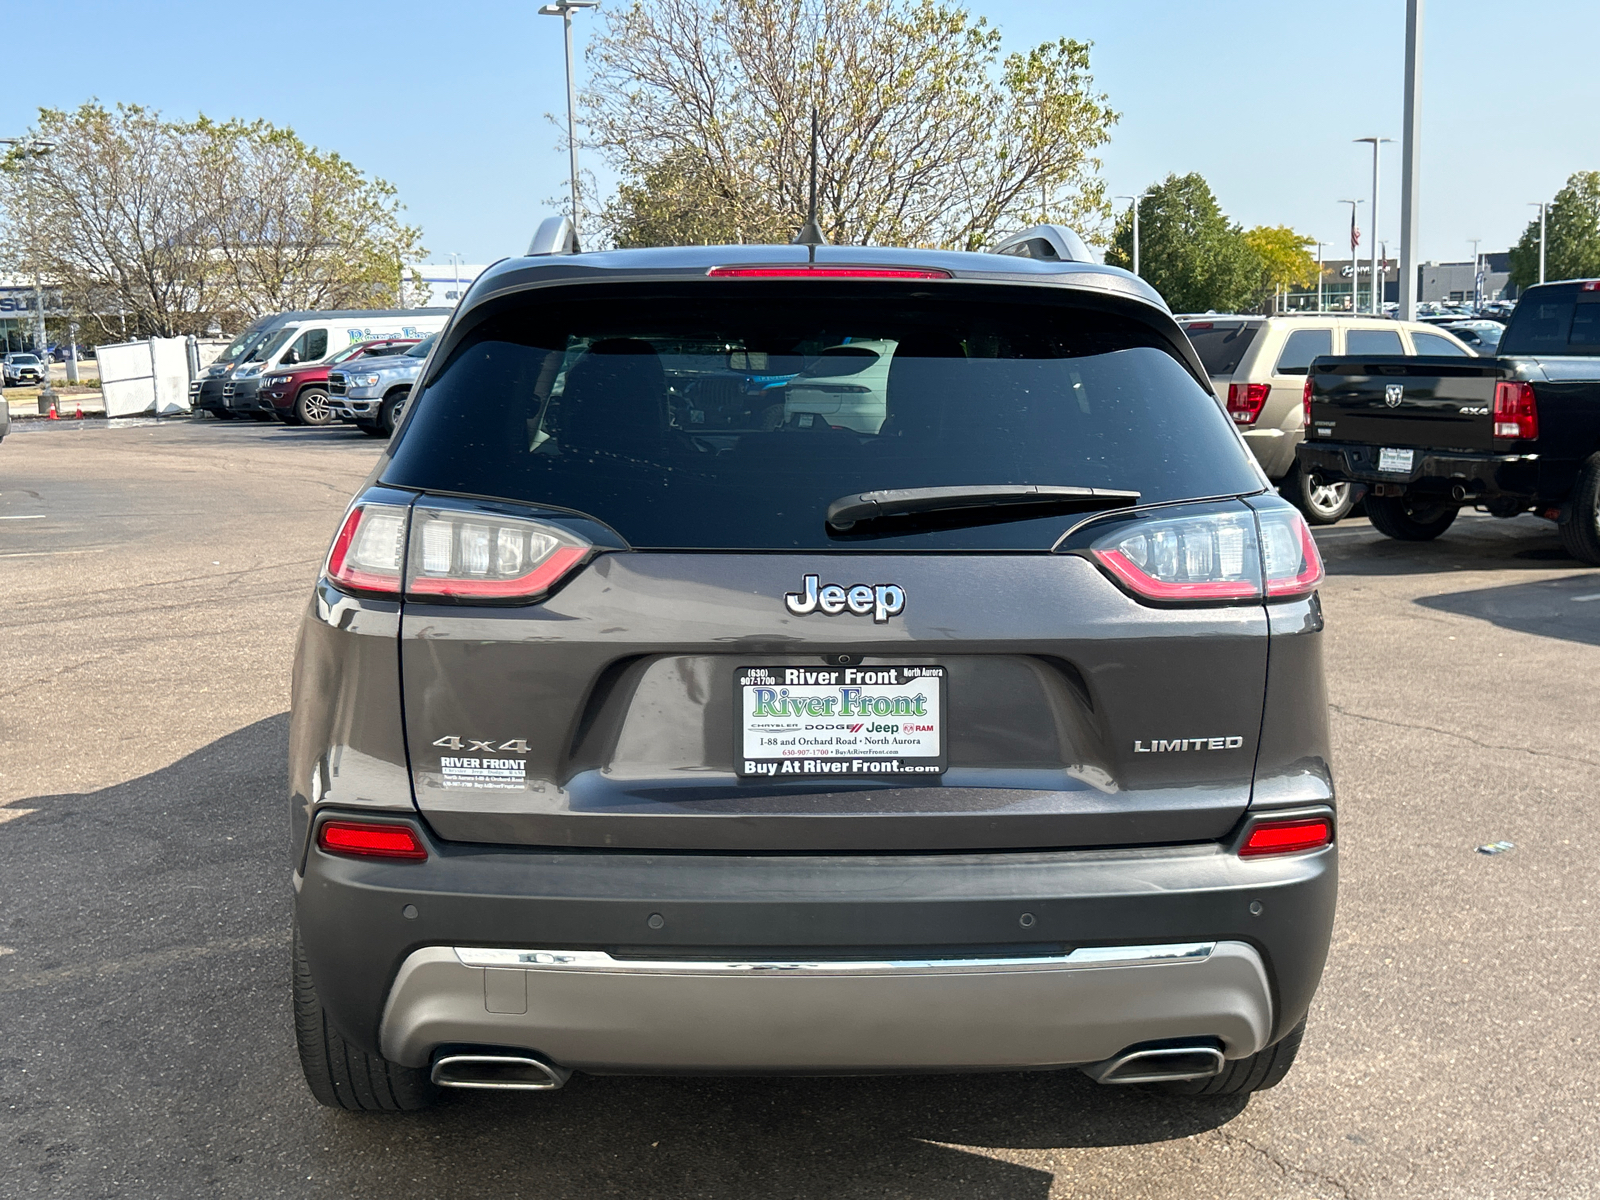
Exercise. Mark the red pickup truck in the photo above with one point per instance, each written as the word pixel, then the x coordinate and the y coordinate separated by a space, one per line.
pixel 299 396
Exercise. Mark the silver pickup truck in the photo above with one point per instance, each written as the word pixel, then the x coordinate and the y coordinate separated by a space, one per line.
pixel 373 393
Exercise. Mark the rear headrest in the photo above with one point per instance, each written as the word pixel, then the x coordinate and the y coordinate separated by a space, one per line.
pixel 925 381
pixel 615 397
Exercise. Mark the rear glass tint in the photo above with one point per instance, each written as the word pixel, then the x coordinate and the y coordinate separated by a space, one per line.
pixel 1549 321
pixel 1432 343
pixel 1300 347
pixel 731 421
pixel 1220 344
pixel 1373 341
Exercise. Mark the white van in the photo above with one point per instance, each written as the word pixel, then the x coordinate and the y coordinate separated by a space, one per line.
pixel 312 337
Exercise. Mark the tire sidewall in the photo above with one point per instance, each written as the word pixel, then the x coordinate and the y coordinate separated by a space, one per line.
pixel 302 411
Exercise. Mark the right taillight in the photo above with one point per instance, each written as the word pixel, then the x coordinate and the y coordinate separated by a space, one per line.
pixel 1210 558
pixel 1245 401
pixel 1516 414
pixel 1305 402
pixel 366 555
pixel 1292 836
pixel 485 556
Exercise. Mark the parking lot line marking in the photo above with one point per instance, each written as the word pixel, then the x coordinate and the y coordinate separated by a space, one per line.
pixel 26 517
pixel 1590 596
pixel 48 553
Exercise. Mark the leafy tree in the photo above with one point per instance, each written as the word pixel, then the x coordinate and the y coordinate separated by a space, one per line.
pixel 161 227
pixel 927 135
pixel 1188 249
pixel 1285 261
pixel 1572 235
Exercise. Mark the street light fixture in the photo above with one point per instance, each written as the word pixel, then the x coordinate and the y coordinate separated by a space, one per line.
pixel 564 9
pixel 1543 206
pixel 1377 304
pixel 32 149
pixel 1477 296
pixel 1355 265
pixel 1135 200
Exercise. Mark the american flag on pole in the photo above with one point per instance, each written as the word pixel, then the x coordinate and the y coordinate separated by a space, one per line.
pixel 1355 234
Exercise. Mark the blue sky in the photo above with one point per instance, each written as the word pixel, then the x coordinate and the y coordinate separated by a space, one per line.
pixel 448 102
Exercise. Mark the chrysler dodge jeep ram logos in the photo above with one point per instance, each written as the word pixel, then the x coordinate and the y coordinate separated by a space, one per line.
pixel 882 600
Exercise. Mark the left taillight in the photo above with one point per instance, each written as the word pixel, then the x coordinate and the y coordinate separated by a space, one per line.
pixel 1211 558
pixel 1516 412
pixel 485 556
pixel 369 551
pixel 1245 401
pixel 369 839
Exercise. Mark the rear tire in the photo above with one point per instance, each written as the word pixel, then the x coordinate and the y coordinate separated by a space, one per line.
pixel 1409 520
pixel 393 409
pixel 340 1075
pixel 1580 530
pixel 1319 502
pixel 1260 1071
pixel 311 408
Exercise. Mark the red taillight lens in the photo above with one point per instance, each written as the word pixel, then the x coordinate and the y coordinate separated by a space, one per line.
pixel 1305 401
pixel 1245 401
pixel 802 271
pixel 487 556
pixel 366 840
pixel 1287 837
pixel 366 554
pixel 1516 414
pixel 1202 558
pixel 1290 560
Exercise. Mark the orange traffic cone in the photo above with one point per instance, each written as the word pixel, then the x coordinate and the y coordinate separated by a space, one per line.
pixel 52 415
pixel 78 416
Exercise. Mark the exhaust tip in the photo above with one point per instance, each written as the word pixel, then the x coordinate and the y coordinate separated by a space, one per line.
pixel 1159 1064
pixel 517 1072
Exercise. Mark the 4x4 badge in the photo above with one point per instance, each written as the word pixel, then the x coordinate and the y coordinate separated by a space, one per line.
pixel 882 600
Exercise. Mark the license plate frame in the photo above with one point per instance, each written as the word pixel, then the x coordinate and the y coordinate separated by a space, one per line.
pixel 831 748
pixel 1397 462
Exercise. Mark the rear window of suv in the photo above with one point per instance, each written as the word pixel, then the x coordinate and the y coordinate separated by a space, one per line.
pixel 1220 344
pixel 732 421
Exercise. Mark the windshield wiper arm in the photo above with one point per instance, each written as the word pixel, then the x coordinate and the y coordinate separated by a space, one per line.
pixel 849 511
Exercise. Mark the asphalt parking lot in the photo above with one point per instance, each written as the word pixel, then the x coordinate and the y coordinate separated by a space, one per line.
pixel 151 578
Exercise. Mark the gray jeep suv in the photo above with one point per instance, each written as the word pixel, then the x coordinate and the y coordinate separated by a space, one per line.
pixel 645 722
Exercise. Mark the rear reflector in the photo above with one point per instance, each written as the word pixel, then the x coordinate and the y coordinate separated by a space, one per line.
pixel 371 840
pixel 366 554
pixel 1287 837
pixel 1245 401
pixel 801 271
pixel 1516 414
pixel 473 555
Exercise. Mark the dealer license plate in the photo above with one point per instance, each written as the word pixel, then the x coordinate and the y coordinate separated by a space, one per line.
pixel 1395 460
pixel 811 721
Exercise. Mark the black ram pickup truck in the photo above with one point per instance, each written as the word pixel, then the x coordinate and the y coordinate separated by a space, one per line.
pixel 1426 437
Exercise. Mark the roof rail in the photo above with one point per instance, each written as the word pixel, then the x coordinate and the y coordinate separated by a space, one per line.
pixel 1048 243
pixel 555 235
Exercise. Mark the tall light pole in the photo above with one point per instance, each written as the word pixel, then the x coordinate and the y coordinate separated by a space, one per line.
pixel 455 261
pixel 1355 266
pixel 1477 298
pixel 1377 304
pixel 1320 245
pixel 1543 207
pixel 32 149
pixel 564 9
pixel 1410 163
pixel 1135 200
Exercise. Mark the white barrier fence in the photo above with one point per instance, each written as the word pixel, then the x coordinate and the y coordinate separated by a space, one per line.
pixel 151 376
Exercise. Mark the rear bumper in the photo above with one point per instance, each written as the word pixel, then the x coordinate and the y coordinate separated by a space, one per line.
pixel 1433 472
pixel 398 984
pixel 1274 449
pixel 592 1012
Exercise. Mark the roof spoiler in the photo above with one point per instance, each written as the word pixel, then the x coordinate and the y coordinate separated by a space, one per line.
pixel 1048 243
pixel 555 235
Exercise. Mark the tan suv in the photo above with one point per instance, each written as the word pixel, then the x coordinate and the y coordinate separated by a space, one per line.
pixel 1258 365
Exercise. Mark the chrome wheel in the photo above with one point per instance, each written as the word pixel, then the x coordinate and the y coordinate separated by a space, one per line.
pixel 312 407
pixel 1321 502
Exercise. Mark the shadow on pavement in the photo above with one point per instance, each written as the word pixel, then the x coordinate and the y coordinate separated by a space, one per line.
pixel 148 1048
pixel 1567 608
pixel 1473 543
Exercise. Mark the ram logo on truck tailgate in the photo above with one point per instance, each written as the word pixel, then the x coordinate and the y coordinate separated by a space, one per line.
pixel 1393 393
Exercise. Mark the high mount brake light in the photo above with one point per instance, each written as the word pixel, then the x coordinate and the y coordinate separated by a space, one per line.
pixel 482 555
pixel 1211 558
pixel 364 839
pixel 800 271
pixel 366 554
pixel 1290 836
pixel 1516 412
pixel 1245 401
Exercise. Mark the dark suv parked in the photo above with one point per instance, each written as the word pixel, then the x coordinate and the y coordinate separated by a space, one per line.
pixel 986 732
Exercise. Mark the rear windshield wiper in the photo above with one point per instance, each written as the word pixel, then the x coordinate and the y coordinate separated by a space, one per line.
pixel 980 504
